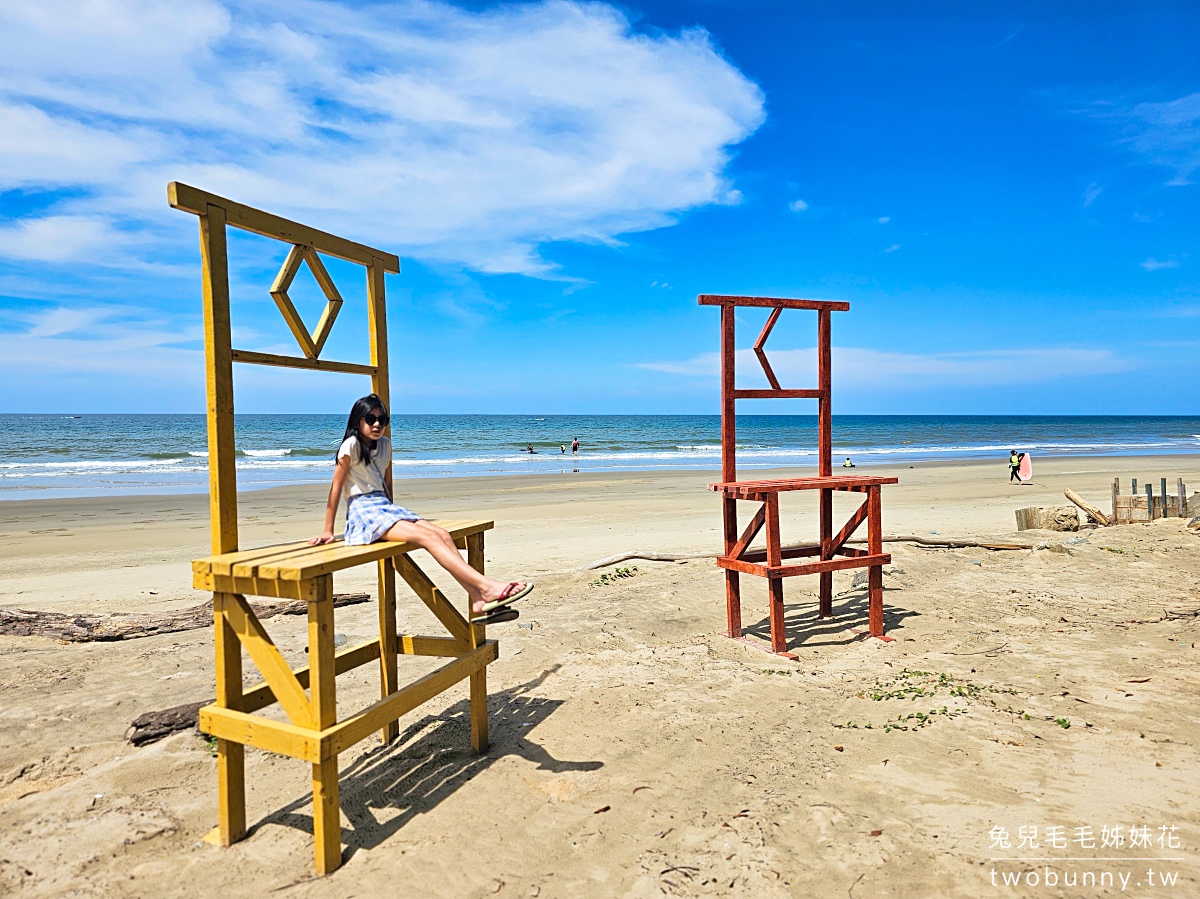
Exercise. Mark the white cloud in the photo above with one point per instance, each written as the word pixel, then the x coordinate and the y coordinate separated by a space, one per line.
pixel 893 248
pixel 1153 265
pixel 797 205
pixel 857 367
pixel 706 365
pixel 63 238
pixel 112 342
pixel 1169 134
pixel 1090 194
pixel 416 126
pixel 884 219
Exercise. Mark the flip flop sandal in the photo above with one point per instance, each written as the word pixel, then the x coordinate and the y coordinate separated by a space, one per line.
pixel 499 616
pixel 508 598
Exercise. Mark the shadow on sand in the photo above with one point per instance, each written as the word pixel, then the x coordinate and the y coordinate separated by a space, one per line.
pixel 430 761
pixel 806 629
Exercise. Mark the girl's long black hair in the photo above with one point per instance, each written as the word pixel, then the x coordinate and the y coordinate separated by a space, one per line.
pixel 360 408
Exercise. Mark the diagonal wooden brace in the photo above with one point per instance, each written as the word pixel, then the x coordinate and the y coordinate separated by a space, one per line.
pixel 847 532
pixel 325 325
pixel 750 533
pixel 758 347
pixel 434 598
pixel 269 661
pixel 279 293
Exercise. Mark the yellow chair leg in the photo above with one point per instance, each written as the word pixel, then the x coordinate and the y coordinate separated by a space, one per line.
pixel 327 825
pixel 389 680
pixel 479 711
pixel 231 757
pixel 479 694
pixel 231 791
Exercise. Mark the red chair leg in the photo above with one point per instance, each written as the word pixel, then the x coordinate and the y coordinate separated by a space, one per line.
pixel 733 603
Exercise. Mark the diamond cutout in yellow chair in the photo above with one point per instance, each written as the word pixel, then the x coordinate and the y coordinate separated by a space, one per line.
pixel 310 344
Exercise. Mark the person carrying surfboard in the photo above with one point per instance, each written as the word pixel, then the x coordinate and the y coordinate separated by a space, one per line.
pixel 1021 467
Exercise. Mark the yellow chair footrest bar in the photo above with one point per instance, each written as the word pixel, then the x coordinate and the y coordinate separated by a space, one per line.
pixel 316 746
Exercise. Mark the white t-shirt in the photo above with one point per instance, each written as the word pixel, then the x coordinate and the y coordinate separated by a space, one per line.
pixel 365 477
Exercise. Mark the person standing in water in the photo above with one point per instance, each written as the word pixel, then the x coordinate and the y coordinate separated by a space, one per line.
pixel 575 447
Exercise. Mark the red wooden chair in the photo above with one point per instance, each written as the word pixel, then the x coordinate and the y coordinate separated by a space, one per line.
pixel 831 552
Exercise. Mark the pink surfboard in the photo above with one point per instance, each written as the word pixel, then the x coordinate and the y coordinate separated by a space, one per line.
pixel 1025 471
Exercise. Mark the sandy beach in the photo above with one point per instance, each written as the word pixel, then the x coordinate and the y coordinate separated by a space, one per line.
pixel 635 750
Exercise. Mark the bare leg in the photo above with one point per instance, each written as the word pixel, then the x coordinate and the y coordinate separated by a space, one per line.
pixel 439 544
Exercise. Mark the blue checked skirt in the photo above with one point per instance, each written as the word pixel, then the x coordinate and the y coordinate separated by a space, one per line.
pixel 371 515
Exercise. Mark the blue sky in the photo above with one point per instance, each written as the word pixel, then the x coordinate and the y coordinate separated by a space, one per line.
pixel 1006 194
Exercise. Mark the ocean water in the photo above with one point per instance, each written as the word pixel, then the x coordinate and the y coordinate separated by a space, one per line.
pixel 57 455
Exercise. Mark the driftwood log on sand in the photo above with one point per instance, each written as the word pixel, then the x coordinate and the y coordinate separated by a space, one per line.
pixel 1092 512
pixel 95 627
pixel 944 542
pixel 154 726
pixel 98 627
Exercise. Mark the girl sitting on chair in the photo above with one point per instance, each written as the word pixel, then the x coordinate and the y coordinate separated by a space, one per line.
pixel 371 516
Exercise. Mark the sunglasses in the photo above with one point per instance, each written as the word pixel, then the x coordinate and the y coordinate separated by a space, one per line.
pixel 372 419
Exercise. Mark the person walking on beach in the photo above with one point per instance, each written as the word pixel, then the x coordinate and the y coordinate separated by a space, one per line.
pixel 575 447
pixel 1014 467
pixel 371 516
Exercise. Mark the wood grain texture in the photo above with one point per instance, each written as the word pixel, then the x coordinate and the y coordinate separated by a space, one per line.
pixel 261 695
pixel 327 827
pixel 1096 515
pixel 279 292
pixel 756 524
pixel 874 506
pixel 434 599
pixel 350 368
pixel 268 660
pixel 807 568
pixel 754 490
pixel 231 756
pixel 299 561
pixel 847 531
pixel 706 299
pixel 218 367
pixel 761 342
pixel 242 728
pixel 349 731
pixel 825 385
pixel 728 398
pixel 389 676
pixel 478 679
pixel 777 394
pixel 191 199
